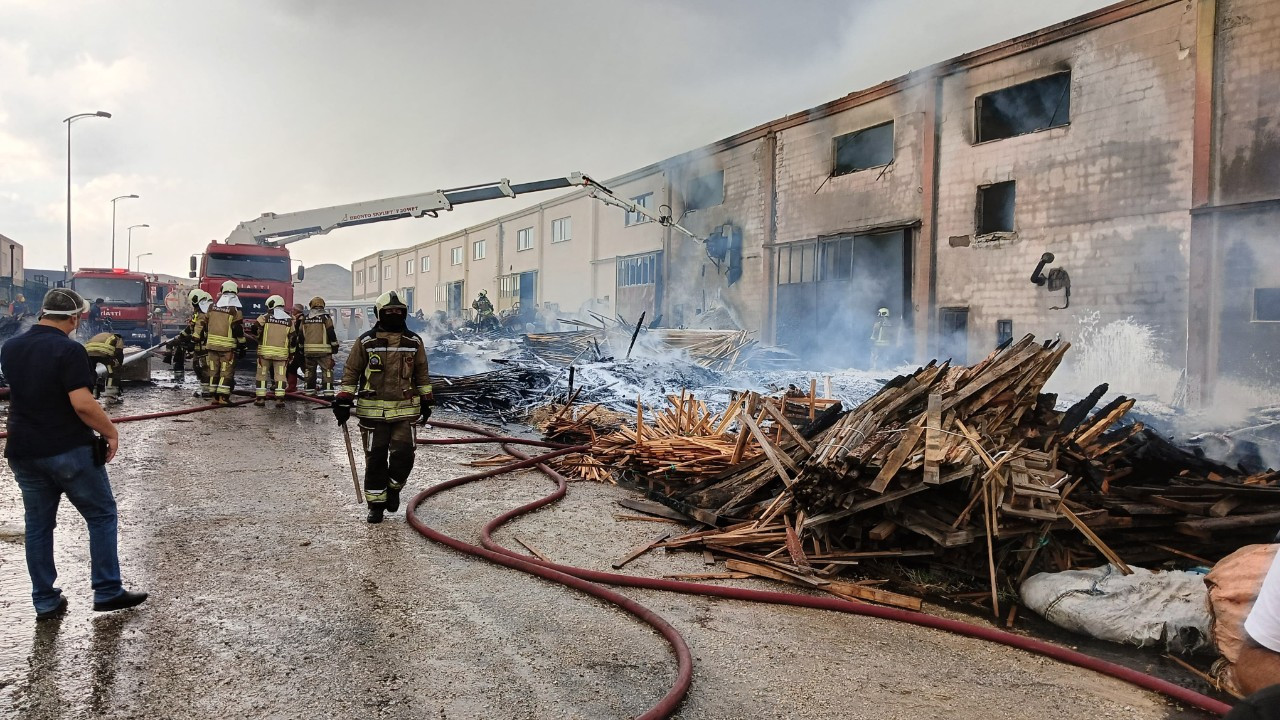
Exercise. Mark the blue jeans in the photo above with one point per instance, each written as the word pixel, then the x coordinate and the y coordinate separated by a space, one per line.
pixel 43 482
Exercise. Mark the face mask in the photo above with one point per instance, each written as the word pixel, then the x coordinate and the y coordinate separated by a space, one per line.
pixel 392 323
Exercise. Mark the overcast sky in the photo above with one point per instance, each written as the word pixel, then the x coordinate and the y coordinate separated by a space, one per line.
pixel 226 109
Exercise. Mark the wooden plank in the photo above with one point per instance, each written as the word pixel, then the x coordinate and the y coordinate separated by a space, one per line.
pixel 700 577
pixel 767 447
pixel 788 428
pixel 640 549
pixel 1223 507
pixel 846 590
pixel 933 440
pixel 882 531
pixel 906 446
pixel 1096 541
pixel 1204 528
pixel 773 573
pixel 795 549
pixel 532 549
pixel 653 508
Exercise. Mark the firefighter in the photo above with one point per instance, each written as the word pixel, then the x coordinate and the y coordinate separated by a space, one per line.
pixel 275 337
pixel 106 349
pixel 881 337
pixel 484 311
pixel 188 342
pixel 223 340
pixel 319 341
pixel 296 359
pixel 386 380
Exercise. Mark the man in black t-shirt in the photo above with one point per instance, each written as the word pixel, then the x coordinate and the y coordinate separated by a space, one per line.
pixel 51 449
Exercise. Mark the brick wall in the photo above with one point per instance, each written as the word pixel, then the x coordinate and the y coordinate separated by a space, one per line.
pixel 1108 194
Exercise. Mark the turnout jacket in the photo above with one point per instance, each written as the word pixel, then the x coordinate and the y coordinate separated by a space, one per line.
pixel 275 337
pixel 192 336
pixel 106 346
pixel 317 336
pixel 386 372
pixel 223 329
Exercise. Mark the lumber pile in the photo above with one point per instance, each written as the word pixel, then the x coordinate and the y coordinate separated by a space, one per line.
pixel 971 470
pixel 500 391
pixel 711 349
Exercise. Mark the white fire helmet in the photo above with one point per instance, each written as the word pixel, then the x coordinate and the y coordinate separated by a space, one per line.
pixel 274 302
pixel 230 287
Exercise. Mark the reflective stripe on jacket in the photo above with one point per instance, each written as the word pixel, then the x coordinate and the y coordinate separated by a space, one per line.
pixel 106 345
pixel 387 372
pixel 318 336
pixel 273 337
pixel 224 330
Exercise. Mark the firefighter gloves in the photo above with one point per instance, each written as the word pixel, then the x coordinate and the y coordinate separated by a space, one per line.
pixel 342 410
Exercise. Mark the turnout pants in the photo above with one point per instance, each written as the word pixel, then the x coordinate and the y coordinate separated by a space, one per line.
pixel 269 369
pixel 320 374
pixel 388 457
pixel 109 384
pixel 222 369
pixel 200 365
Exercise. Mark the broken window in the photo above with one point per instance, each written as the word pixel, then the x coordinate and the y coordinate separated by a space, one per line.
pixel 638 270
pixel 797 263
pixel 635 218
pixel 455 256
pixel 1004 332
pixel 995 208
pixel 837 259
pixel 864 149
pixel 1266 304
pixel 704 191
pixel 953 334
pixel 1024 108
pixel 524 239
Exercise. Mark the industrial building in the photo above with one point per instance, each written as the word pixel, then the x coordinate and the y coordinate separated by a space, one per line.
pixel 1138 144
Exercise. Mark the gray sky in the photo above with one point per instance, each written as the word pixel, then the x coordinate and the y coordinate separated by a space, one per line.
pixel 227 109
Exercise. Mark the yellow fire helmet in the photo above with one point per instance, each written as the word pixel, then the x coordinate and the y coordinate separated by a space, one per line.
pixel 198 296
pixel 274 302
pixel 389 300
pixel 230 287
pixel 317 303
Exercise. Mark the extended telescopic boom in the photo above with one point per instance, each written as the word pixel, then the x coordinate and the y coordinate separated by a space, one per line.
pixel 280 230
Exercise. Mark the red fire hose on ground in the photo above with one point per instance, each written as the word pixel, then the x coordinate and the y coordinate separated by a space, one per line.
pixel 589 581
pixel 492 550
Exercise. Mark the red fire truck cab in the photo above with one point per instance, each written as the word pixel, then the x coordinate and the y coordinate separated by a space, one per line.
pixel 126 299
pixel 259 271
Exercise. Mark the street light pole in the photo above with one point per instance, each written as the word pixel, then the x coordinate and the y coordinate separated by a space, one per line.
pixel 128 254
pixel 137 261
pixel 68 121
pixel 113 228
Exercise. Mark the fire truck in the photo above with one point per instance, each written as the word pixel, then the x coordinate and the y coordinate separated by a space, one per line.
pixel 128 300
pixel 256 258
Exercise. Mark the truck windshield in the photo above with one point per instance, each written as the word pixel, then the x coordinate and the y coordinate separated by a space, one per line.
pixel 113 291
pixel 248 267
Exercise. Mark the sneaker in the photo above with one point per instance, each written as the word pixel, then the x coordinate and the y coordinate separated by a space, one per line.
pixel 126 599
pixel 393 500
pixel 58 611
pixel 375 514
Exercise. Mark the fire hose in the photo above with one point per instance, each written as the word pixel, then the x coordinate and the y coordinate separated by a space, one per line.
pixel 591 581
pixel 491 550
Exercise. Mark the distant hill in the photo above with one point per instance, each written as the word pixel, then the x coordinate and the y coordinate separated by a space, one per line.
pixel 329 281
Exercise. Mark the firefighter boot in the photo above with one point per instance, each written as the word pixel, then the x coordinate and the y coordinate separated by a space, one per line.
pixel 375 513
pixel 393 499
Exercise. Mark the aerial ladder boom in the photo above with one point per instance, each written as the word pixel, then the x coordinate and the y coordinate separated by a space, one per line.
pixel 278 230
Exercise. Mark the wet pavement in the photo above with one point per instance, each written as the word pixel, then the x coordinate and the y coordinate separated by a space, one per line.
pixel 272 598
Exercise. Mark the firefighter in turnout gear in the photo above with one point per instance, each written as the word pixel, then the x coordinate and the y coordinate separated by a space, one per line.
pixel 319 341
pixel 223 339
pixel 881 337
pixel 386 380
pixel 275 337
pixel 485 319
pixel 106 349
pixel 188 342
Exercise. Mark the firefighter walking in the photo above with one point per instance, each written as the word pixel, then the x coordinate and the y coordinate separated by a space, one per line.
pixel 319 343
pixel 107 349
pixel 223 339
pixel 385 380
pixel 275 337
pixel 882 338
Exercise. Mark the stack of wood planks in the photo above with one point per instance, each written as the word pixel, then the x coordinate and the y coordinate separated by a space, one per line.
pixel 968 469
pixel 711 349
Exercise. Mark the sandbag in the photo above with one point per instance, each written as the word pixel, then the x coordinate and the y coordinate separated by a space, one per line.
pixel 1170 609
pixel 1233 587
